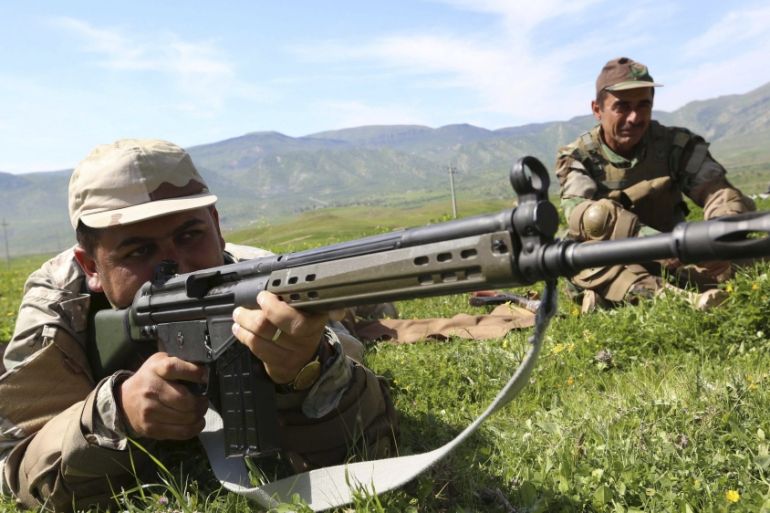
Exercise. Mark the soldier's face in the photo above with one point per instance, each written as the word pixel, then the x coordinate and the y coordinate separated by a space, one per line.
pixel 125 257
pixel 624 117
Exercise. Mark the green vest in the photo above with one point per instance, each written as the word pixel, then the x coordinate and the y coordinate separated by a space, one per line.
pixel 658 154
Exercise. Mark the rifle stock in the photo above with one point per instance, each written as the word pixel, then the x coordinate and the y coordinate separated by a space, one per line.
pixel 189 315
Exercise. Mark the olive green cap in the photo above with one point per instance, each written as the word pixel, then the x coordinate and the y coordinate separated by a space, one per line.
pixel 133 180
pixel 624 73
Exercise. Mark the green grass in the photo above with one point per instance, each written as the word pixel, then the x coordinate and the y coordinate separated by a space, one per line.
pixel 656 407
pixel 13 274
pixel 331 225
pixel 675 416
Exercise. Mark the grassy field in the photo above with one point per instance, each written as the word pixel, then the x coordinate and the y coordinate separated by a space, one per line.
pixel 328 226
pixel 655 407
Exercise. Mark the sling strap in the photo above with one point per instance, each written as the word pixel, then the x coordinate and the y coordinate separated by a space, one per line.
pixel 336 486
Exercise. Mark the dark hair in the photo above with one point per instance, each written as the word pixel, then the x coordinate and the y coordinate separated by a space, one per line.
pixel 87 237
pixel 600 96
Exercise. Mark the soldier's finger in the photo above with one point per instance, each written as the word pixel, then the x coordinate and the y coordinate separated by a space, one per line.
pixel 253 320
pixel 262 347
pixel 180 396
pixel 172 368
pixel 290 320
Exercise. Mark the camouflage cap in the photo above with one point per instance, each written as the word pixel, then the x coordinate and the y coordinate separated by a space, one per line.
pixel 133 180
pixel 624 73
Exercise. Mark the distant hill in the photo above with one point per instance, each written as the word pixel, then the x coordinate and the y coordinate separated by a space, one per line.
pixel 265 175
pixel 738 127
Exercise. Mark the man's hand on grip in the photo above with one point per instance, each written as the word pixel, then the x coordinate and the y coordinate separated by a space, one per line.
pixel 156 403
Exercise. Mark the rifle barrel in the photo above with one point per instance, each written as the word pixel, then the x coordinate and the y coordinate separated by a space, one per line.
pixel 737 237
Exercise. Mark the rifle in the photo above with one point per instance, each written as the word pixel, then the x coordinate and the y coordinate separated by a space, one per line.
pixel 502 298
pixel 189 315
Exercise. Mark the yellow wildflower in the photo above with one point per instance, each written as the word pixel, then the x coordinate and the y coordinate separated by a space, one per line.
pixel 732 496
pixel 560 347
pixel 729 288
pixel 570 380
pixel 755 286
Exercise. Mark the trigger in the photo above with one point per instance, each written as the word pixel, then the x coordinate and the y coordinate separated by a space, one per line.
pixel 199 388
pixel 196 388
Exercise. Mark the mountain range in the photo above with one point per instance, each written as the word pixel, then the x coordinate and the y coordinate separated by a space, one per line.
pixel 262 176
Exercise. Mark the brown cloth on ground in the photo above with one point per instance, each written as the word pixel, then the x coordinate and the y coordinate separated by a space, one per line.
pixel 495 324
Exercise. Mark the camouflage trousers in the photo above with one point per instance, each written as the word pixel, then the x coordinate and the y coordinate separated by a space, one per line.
pixel 607 287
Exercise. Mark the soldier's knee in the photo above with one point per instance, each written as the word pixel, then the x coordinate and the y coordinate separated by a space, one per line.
pixel 602 220
pixel 598 221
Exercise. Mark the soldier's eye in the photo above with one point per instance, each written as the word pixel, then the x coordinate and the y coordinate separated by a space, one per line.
pixel 189 235
pixel 141 251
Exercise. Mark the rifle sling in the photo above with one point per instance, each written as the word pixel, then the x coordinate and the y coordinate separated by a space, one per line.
pixel 335 486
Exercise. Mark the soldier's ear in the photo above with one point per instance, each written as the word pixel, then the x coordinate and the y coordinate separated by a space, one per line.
pixel 596 109
pixel 88 264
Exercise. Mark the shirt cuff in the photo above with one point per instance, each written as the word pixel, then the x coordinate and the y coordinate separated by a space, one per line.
pixel 326 393
pixel 109 429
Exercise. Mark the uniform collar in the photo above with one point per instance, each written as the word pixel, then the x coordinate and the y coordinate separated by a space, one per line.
pixel 618 160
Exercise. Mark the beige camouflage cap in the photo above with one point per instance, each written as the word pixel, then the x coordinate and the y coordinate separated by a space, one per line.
pixel 624 73
pixel 133 180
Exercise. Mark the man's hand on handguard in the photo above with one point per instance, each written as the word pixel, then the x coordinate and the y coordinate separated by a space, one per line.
pixel 283 352
pixel 157 404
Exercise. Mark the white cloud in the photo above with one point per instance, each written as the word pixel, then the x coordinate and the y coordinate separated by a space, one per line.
pixel 166 53
pixel 506 69
pixel 505 78
pixel 522 16
pixel 729 57
pixel 709 79
pixel 537 61
pixel 731 33
pixel 496 75
pixel 203 76
pixel 120 51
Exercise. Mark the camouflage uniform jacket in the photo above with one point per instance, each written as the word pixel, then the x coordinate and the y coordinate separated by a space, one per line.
pixel 63 442
pixel 588 169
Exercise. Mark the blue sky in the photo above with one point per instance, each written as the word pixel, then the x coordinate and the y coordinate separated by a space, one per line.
pixel 76 74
